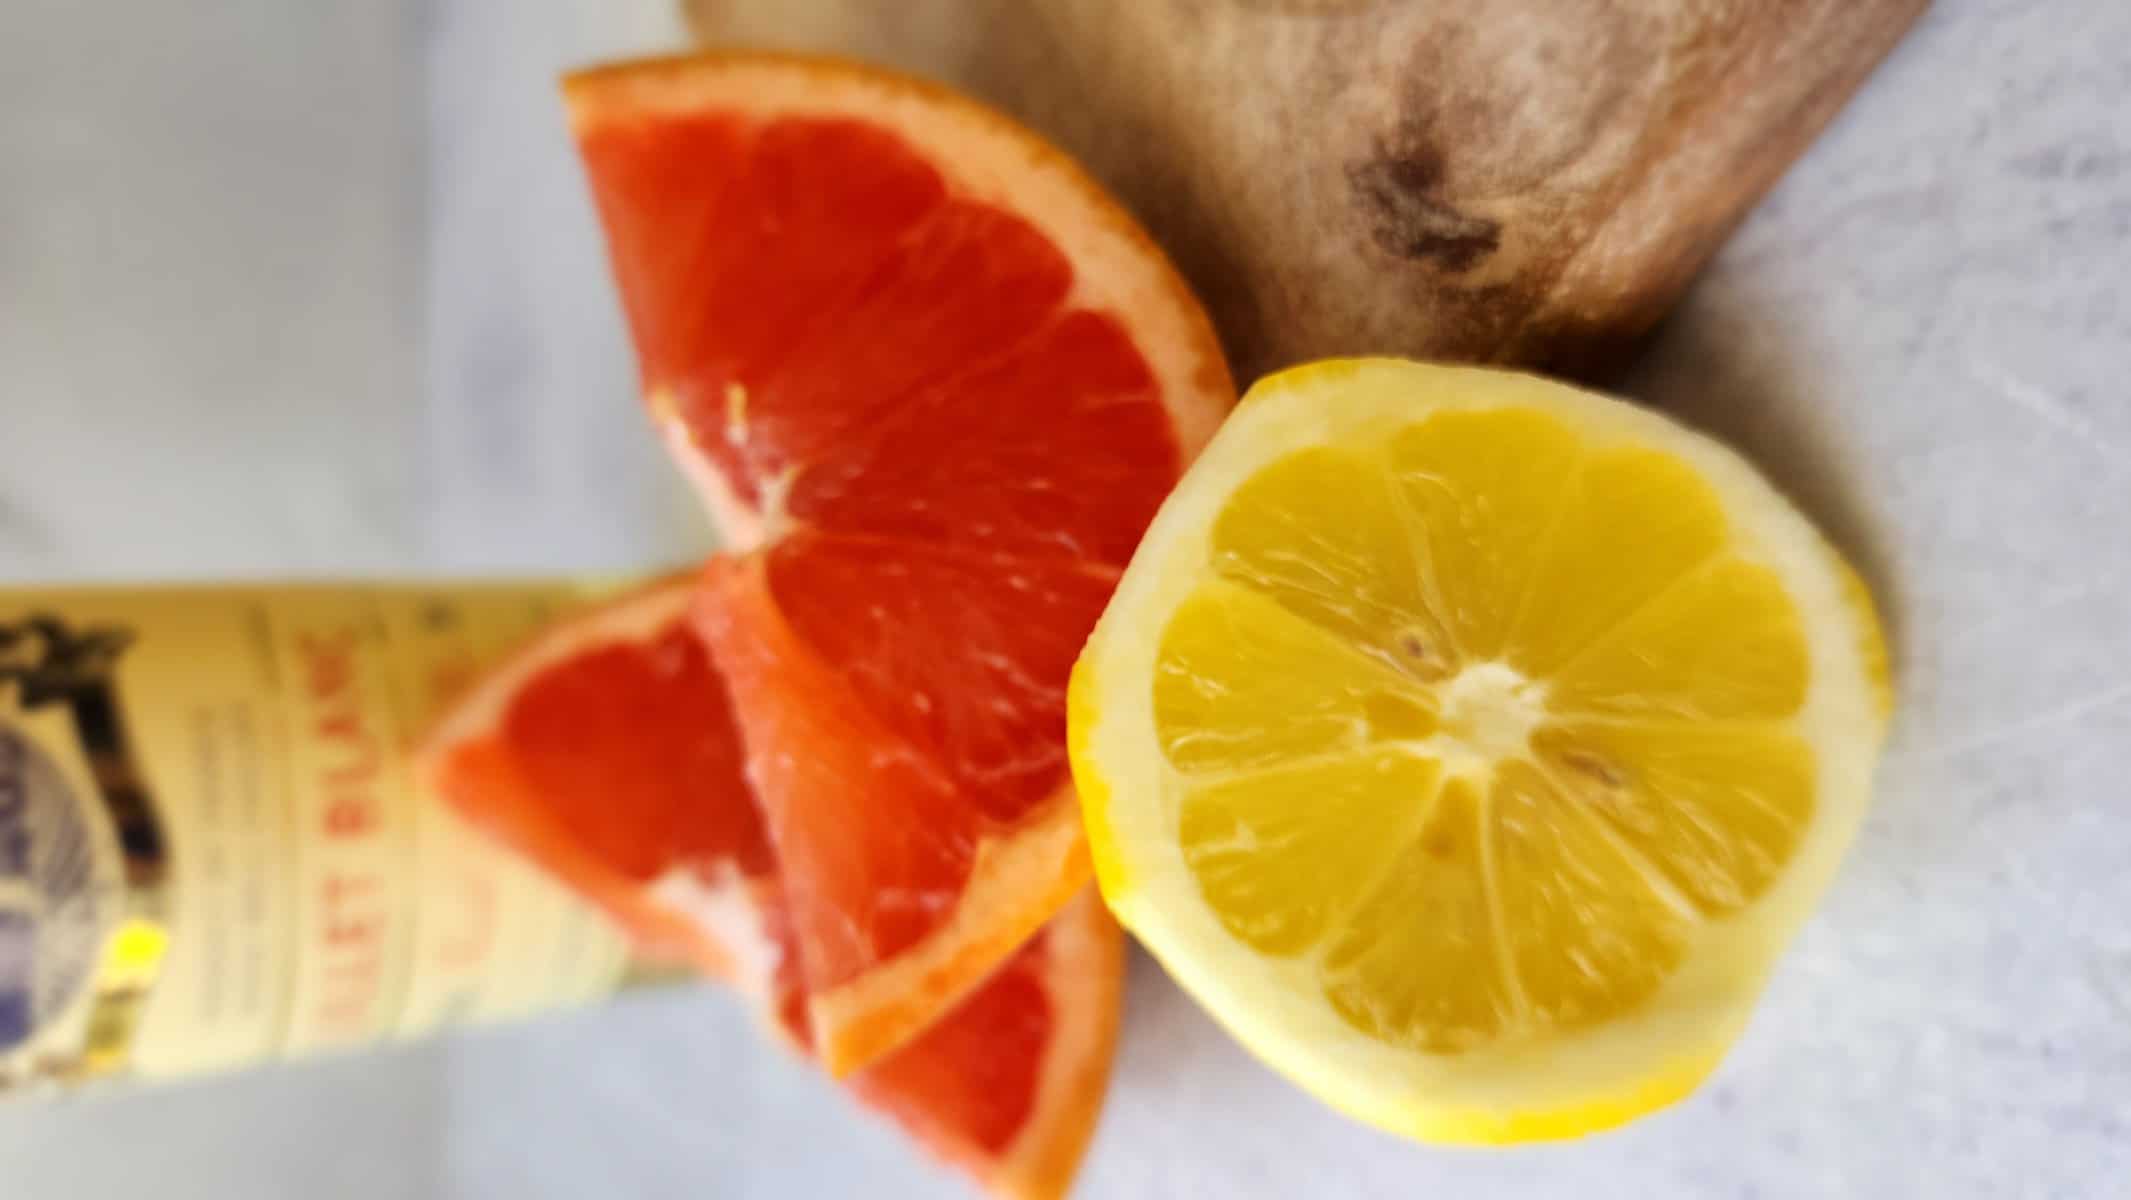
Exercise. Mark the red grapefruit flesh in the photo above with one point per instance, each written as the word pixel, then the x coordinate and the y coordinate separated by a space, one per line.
pixel 605 751
pixel 933 384
pixel 591 752
pixel 1008 1085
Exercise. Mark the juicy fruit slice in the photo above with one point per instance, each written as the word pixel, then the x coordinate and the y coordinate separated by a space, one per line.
pixel 906 883
pixel 606 752
pixel 592 752
pixel 1008 1085
pixel 1471 745
pixel 933 384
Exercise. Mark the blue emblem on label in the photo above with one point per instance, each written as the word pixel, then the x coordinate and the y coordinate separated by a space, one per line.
pixel 58 889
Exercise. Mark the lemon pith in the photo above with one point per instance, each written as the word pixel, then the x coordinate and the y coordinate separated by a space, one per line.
pixel 1470 745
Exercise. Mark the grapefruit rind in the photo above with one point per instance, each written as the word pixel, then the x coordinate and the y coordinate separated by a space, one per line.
pixel 1085 976
pixel 1030 875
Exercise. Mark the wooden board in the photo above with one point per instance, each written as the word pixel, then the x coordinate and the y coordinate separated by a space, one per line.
pixel 1529 181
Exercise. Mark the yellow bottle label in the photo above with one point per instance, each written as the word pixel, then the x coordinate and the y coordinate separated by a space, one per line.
pixel 213 850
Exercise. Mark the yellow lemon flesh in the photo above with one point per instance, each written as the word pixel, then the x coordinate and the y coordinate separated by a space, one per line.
pixel 1470 745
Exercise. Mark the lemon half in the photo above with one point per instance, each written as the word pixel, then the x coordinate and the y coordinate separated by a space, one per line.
pixel 1470 745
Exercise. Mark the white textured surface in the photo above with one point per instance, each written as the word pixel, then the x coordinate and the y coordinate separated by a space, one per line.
pixel 244 328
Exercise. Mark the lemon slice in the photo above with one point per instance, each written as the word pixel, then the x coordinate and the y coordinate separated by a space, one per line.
pixel 1471 745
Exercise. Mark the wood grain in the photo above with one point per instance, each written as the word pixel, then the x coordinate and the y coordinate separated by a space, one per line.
pixel 1527 181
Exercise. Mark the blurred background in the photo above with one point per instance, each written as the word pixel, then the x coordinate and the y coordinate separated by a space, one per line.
pixel 313 289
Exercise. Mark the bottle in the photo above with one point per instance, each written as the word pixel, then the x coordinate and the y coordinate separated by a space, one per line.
pixel 213 849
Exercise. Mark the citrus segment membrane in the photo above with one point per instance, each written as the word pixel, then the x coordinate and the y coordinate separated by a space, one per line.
pixel 1418 963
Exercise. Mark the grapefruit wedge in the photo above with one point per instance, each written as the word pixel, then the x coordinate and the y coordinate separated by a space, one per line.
pixel 1009 1084
pixel 932 384
pixel 605 751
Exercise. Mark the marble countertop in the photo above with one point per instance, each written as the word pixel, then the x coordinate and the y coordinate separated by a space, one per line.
pixel 313 289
